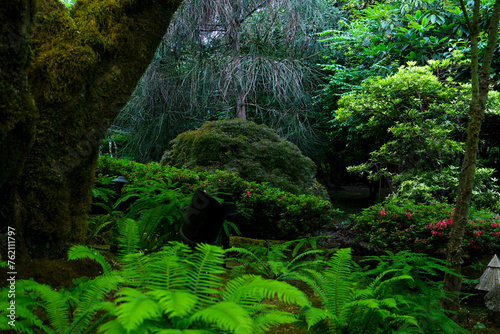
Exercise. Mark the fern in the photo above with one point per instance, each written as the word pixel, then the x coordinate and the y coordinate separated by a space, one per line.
pixel 128 240
pixel 351 308
pixel 423 292
pixel 81 251
pixel 177 290
pixel 272 262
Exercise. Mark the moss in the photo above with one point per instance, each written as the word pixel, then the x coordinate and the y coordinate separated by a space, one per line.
pixel 85 64
pixel 255 152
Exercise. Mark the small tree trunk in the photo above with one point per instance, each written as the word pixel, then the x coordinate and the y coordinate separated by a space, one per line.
pixel 480 88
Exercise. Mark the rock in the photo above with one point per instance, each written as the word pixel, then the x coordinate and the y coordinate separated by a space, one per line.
pixel 492 302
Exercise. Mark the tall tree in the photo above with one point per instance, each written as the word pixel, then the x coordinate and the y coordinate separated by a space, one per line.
pixel 230 58
pixel 480 86
pixel 64 77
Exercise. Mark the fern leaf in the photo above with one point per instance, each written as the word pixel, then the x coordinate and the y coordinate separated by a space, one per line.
pixel 54 303
pixel 206 264
pixel 337 280
pixel 228 316
pixel 90 301
pixel 314 315
pixel 134 308
pixel 175 303
pixel 82 252
pixel 129 237
pixel 262 322
pixel 250 288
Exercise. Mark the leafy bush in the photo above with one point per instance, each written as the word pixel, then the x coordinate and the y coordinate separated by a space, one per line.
pixel 428 187
pixel 406 225
pixel 263 211
pixel 253 152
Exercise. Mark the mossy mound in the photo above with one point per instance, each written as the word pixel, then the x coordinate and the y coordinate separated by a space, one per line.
pixel 254 152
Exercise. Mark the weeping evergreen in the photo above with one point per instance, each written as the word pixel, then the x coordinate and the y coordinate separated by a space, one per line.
pixel 226 59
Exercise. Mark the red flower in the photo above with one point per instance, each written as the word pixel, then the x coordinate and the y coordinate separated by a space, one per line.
pixel 382 212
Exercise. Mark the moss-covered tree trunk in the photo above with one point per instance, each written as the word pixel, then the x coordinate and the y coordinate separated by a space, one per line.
pixel 65 75
pixel 480 88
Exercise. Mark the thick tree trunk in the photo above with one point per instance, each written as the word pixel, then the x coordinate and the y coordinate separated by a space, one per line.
pixel 480 88
pixel 85 65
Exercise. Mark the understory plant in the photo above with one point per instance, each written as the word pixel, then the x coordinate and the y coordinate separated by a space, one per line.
pixel 422 293
pixel 77 310
pixel 351 307
pixel 277 260
pixel 400 224
pixel 174 290
pixel 263 211
pixel 398 293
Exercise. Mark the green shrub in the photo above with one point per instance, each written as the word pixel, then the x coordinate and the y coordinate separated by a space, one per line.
pixel 254 152
pixel 406 225
pixel 263 211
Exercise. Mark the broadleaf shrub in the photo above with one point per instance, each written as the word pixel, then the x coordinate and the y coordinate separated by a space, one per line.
pixel 263 211
pixel 406 225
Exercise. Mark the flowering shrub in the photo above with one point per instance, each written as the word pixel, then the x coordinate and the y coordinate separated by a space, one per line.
pixel 406 225
pixel 263 211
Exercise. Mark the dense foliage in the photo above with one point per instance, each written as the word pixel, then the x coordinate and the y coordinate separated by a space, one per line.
pixel 263 211
pixel 253 152
pixel 409 225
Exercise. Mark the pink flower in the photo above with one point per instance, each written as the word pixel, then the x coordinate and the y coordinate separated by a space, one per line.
pixel 131 162
pixel 382 212
pixel 409 215
pixel 493 225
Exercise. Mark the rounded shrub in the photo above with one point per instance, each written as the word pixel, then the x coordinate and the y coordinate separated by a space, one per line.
pixel 254 152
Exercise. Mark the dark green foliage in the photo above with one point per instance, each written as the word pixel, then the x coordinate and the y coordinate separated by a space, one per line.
pixel 256 153
pixel 422 294
pixel 277 261
pixel 263 211
pixel 74 311
pixel 349 307
pixel 406 225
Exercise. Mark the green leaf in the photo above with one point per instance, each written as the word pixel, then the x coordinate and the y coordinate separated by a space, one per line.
pixel 228 316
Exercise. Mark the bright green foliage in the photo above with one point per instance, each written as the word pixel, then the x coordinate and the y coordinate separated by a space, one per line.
pixel 276 261
pixel 175 290
pixel 68 311
pixel 182 290
pixel 352 308
pixel 411 122
pixel 256 153
pixel 155 214
pixel 385 35
pixel 406 225
pixel 263 211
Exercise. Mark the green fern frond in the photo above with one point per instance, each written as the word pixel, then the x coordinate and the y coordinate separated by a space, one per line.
pixel 168 271
pixel 89 302
pixel 227 316
pixel 82 252
pixel 175 303
pixel 263 322
pixel 252 288
pixel 134 308
pixel 54 303
pixel 129 237
pixel 206 265
pixel 337 282
pixel 315 315
pixel 136 269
